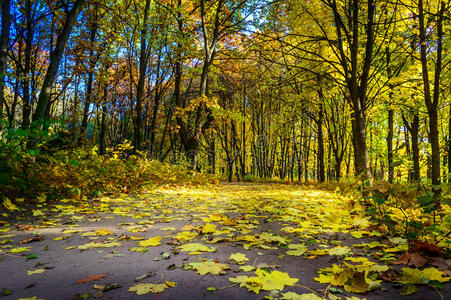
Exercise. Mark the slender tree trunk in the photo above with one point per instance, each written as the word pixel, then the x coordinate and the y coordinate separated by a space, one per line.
pixel 415 148
pixel 91 66
pixel 55 59
pixel 26 109
pixel 141 79
pixel 4 42
pixel 391 170
pixel 102 137
pixel 449 144
pixel 432 103
pixel 156 105
pixel 321 174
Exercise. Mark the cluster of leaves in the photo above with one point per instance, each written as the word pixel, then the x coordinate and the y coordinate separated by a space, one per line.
pixel 57 168
pixel 410 211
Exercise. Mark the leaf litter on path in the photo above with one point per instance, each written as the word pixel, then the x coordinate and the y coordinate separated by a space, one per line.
pixel 279 232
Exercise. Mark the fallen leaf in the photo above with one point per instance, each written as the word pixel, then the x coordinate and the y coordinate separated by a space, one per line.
pixel 416 259
pixel 32 239
pixel 208 267
pixel 196 248
pixel 103 232
pixel 145 288
pixel 239 258
pixel 209 228
pixel 98 245
pixel 37 271
pixel 152 242
pixel 9 205
pixel 19 249
pixel 91 278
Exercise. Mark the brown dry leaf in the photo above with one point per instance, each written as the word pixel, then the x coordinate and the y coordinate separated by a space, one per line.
pixel 412 259
pixel 32 239
pixel 426 248
pixel 91 278
pixel 25 227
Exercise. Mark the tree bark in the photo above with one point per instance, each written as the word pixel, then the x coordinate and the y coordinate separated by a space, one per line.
pixel 4 42
pixel 26 109
pixel 391 170
pixel 319 125
pixel 91 66
pixel 102 137
pixel 432 103
pixel 55 59
pixel 141 79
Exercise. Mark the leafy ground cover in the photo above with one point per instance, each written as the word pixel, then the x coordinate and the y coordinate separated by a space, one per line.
pixel 228 241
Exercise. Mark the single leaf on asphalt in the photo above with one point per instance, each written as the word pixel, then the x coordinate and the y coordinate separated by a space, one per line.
pixel 196 248
pixel 297 249
pixel 239 258
pixel 91 278
pixel 170 283
pixel 415 276
pixel 209 267
pixel 19 249
pixel 152 242
pixel 145 288
pixel 247 268
pixel 186 236
pixel 37 271
pixel 103 232
pixel 139 249
pixel 209 228
pixel 98 245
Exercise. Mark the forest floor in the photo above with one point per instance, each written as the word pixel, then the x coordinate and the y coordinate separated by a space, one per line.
pixel 230 241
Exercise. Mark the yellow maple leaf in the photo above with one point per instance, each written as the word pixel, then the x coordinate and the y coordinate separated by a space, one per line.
pixel 210 266
pixel 103 232
pixel 297 249
pixel 239 258
pixel 416 276
pixel 186 236
pixel 209 228
pixel 196 248
pixel 145 288
pixel 19 249
pixel 294 296
pixel 152 242
pixel 9 205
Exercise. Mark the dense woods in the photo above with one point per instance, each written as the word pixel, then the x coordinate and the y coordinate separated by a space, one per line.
pixel 295 90
pixel 288 129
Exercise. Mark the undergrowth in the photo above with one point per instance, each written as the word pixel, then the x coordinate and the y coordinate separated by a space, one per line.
pixel 58 169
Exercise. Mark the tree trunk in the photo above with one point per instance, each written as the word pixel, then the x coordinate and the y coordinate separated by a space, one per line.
pixel 55 59
pixel 415 175
pixel 91 66
pixel 4 42
pixel 26 109
pixel 321 174
pixel 102 142
pixel 391 170
pixel 141 79
pixel 361 166
pixel 432 103
pixel 156 105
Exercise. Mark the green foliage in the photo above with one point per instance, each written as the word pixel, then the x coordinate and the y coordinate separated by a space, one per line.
pixel 58 169
pixel 408 210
